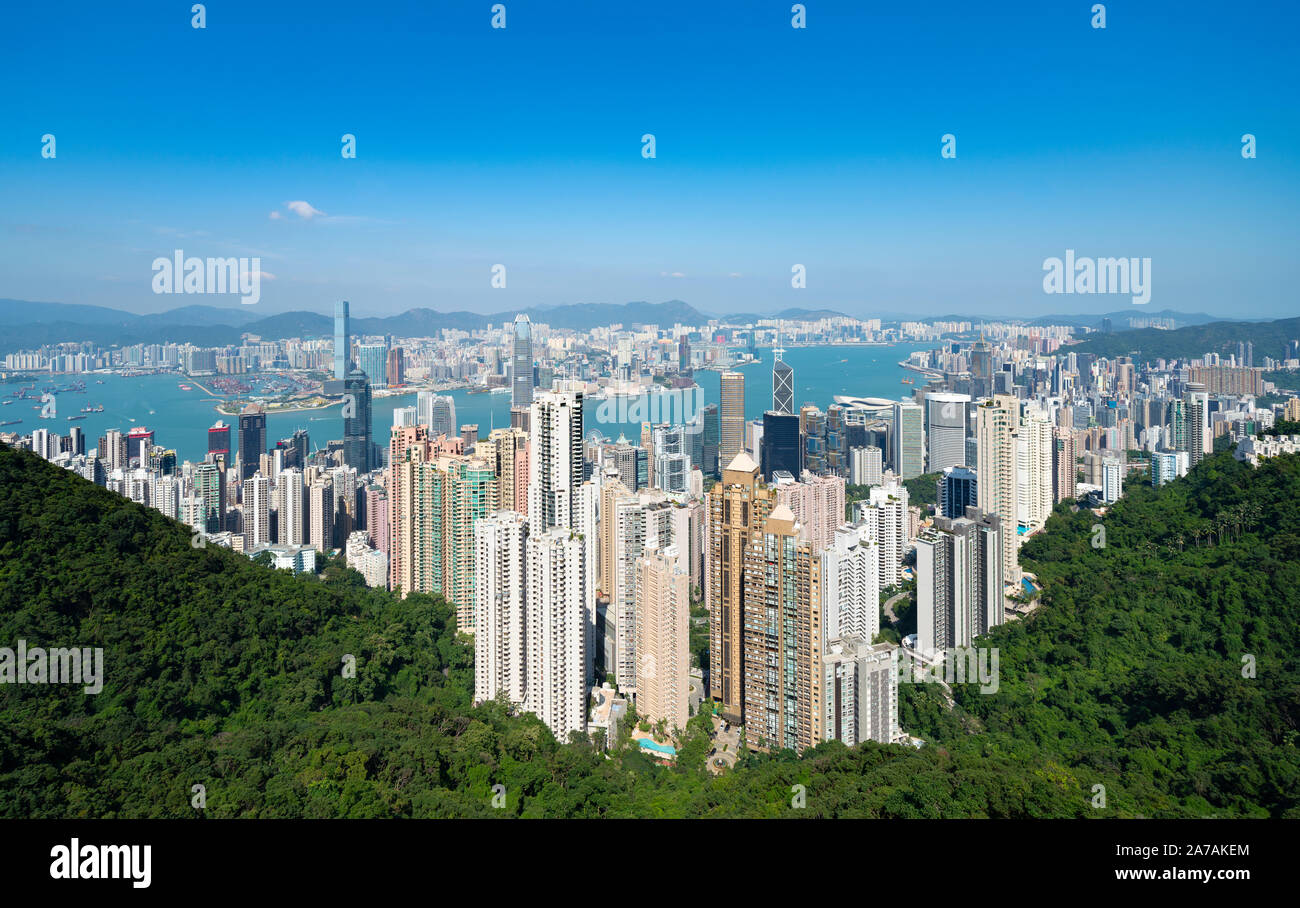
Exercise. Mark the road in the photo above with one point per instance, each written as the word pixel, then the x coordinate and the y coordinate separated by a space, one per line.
pixel 889 605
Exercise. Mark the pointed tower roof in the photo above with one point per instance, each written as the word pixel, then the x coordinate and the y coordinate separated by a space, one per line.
pixel 742 463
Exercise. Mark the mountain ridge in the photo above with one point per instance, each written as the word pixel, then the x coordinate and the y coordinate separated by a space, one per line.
pixel 31 324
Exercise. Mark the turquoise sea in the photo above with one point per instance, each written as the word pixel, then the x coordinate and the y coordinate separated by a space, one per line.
pixel 180 419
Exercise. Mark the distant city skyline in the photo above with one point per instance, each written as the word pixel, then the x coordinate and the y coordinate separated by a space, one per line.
pixel 774 147
pixel 240 316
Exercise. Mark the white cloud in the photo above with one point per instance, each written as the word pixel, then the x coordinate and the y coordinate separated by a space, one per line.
pixel 303 209
pixel 275 215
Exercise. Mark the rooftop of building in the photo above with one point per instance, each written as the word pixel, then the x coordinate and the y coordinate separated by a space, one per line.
pixel 742 463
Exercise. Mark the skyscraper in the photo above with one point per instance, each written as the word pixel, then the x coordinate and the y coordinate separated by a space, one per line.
pixel 737 509
pixel 257 511
pixel 377 520
pixel 866 466
pixel 508 451
pixel 663 660
pixel 469 435
pixel 1198 427
pixel 817 503
pixel 634 523
pixel 671 457
pixel 521 362
pixel 997 422
pixel 710 434
pixel 612 490
pixel 166 496
pixel 293 508
pixel 500 607
pixel 219 441
pixel 1177 419
pixel 860 691
pixel 838 441
pixel 294 450
pixel 885 515
pixel 780 448
pixel 555 461
pixel 648 445
pixel 957 491
pixel 1112 480
pixel 556 630
pixel 357 444
pixel 207 488
pixel 342 341
pixel 372 359
pixel 959 581
pixel 1064 464
pixel 252 439
pixel 468 493
pixel 139 441
pixel 1035 476
pixel 434 499
pixel 732 437
pixel 945 416
pixel 45 444
pixel 629 460
pixel 981 368
pixel 1166 466
pixel 850 584
pixel 438 412
pixel 396 367
pixel 782 637
pixel 812 428
pixel 782 384
pixel 321 515
pixel 908 440
pixel 112 450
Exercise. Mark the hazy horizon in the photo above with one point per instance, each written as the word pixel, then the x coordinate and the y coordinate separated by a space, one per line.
pixel 1106 306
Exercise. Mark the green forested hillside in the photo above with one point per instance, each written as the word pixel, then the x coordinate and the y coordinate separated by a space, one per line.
pixel 1268 338
pixel 1137 664
pixel 227 674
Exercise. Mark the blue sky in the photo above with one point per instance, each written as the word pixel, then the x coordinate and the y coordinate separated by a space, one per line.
pixel 775 146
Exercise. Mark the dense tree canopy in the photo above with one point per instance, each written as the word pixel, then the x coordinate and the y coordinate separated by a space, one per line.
pixel 229 674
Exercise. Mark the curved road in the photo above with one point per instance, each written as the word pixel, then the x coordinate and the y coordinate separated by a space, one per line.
pixel 889 605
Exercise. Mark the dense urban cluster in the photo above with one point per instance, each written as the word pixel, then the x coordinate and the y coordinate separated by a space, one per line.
pixel 722 562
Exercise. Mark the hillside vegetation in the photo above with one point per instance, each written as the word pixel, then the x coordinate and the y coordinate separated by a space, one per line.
pixel 227 674
pixel 1194 341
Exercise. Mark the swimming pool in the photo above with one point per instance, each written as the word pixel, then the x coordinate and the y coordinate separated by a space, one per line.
pixel 667 749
